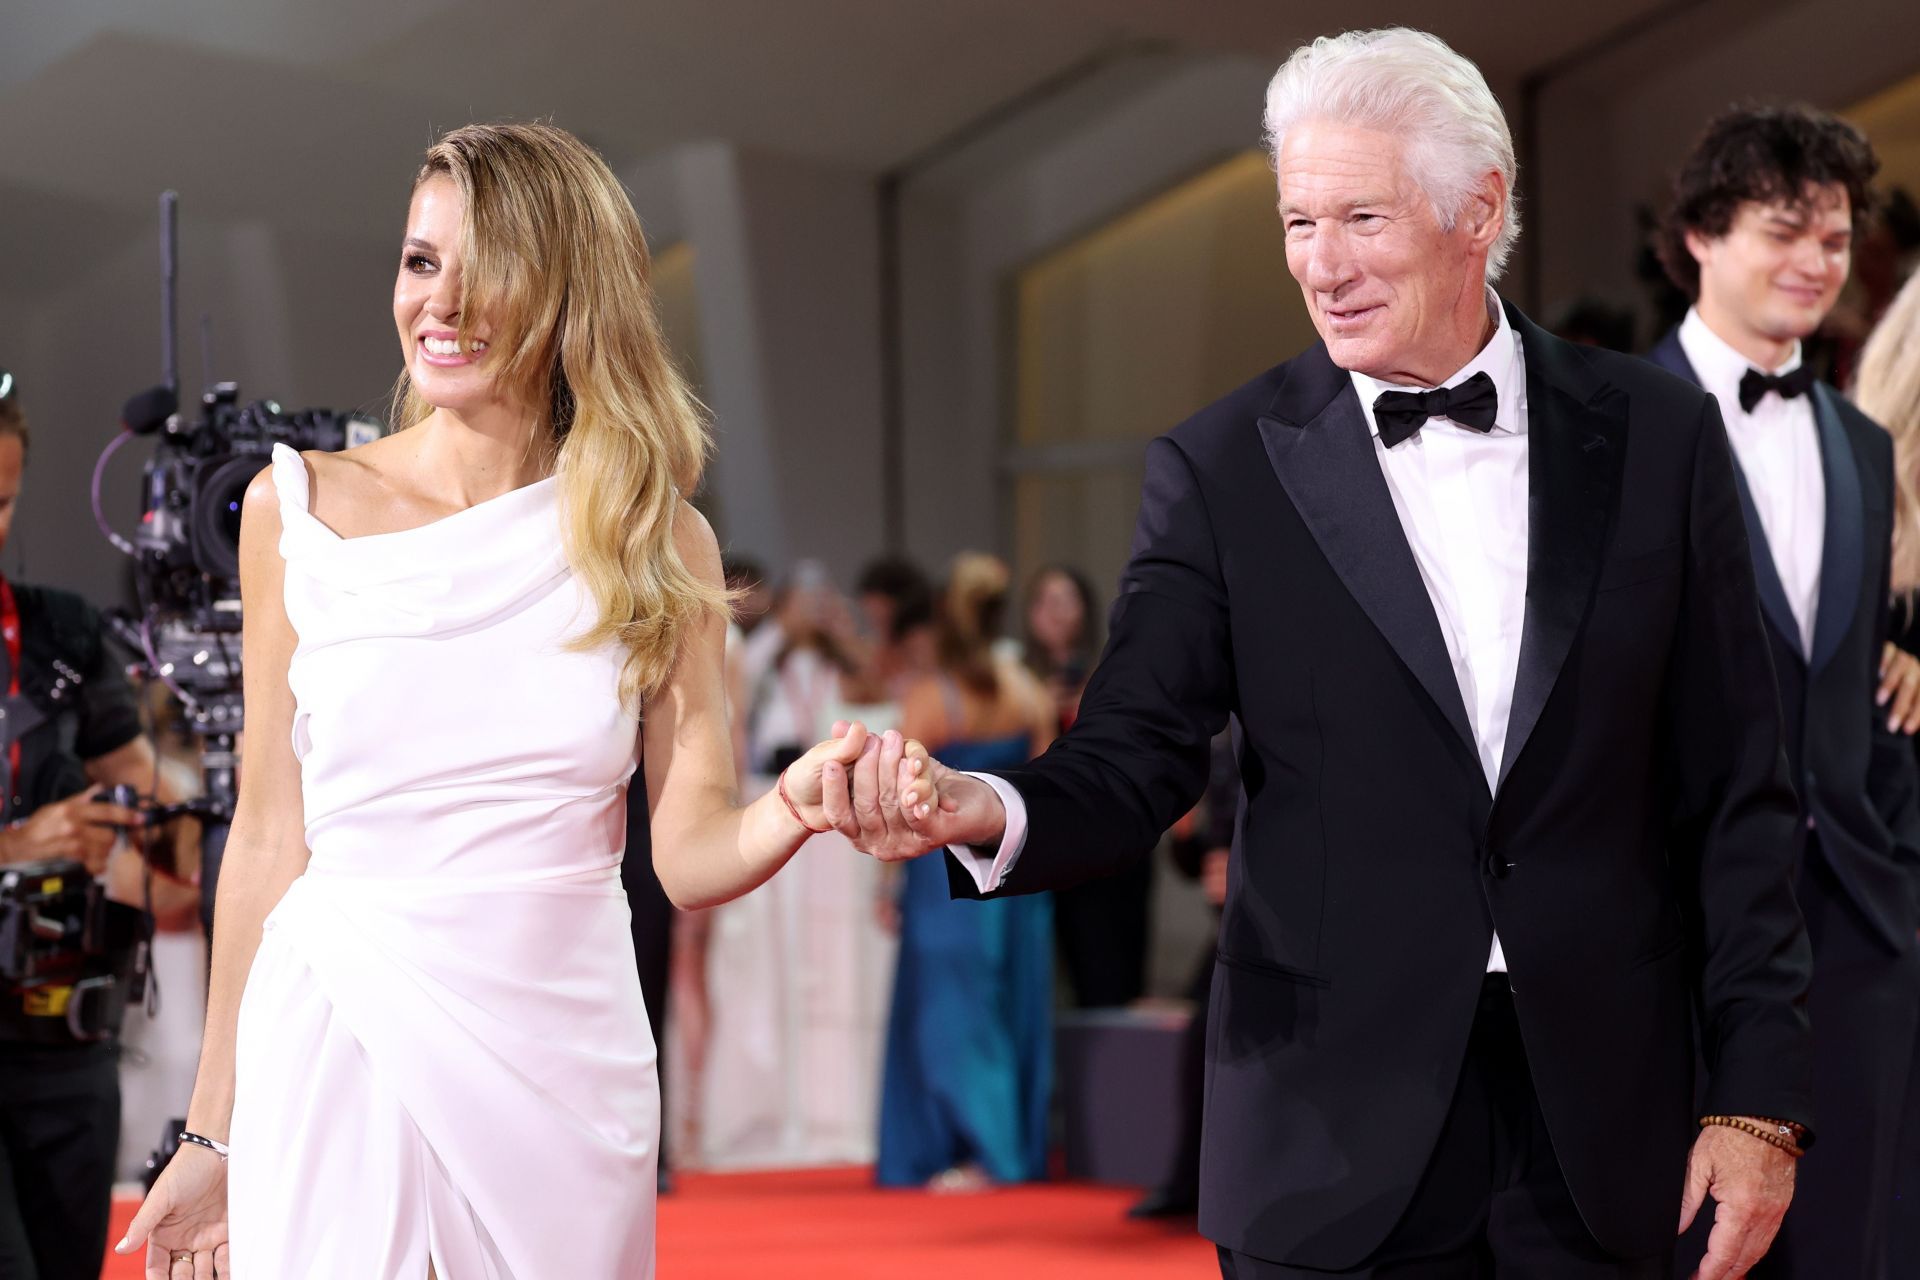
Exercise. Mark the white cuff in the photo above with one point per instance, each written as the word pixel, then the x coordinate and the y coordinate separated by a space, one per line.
pixel 988 873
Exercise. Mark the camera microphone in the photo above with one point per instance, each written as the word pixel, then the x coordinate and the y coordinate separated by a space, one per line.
pixel 148 411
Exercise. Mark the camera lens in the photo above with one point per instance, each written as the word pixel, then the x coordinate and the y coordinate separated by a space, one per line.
pixel 216 515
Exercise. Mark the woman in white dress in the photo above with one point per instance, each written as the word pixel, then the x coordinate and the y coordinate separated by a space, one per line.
pixel 425 1040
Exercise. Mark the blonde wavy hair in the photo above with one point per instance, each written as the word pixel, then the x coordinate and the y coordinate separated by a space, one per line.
pixel 972 604
pixel 556 266
pixel 1887 389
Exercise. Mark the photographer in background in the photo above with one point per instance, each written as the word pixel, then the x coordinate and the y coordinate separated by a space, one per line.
pixel 71 729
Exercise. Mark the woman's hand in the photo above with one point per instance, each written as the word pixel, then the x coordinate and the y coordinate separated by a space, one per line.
pixel 183 1222
pixel 813 780
pixel 897 802
pixel 1900 685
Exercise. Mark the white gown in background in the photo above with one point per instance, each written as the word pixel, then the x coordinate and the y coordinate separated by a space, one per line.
pixel 798 975
pixel 443 1051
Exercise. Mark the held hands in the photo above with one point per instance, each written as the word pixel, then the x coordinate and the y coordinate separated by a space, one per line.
pixel 183 1222
pixel 1751 1183
pixel 889 797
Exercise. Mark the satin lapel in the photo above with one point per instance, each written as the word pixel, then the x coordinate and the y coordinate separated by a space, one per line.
pixel 1843 551
pixel 1670 355
pixel 1328 468
pixel 1577 441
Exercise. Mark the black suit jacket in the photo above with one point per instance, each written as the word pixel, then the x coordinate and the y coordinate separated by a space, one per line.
pixel 1635 853
pixel 1855 778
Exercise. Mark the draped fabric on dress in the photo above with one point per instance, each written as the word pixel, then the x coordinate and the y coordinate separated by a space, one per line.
pixel 443 1051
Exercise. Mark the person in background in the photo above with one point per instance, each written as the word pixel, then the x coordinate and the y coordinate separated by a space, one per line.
pixel 969 1058
pixel 896 646
pixel 1062 634
pixel 1760 234
pixel 752 643
pixel 799 684
pixel 796 971
pixel 1101 928
pixel 160 1045
pixel 73 730
pixel 684 1053
pixel 1888 391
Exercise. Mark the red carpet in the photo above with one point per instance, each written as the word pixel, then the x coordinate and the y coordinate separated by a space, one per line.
pixel 831 1224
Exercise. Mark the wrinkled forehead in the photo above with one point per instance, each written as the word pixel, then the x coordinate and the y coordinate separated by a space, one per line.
pixel 1330 169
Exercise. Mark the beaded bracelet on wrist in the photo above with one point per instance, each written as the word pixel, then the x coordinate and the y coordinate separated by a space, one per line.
pixel 1781 1134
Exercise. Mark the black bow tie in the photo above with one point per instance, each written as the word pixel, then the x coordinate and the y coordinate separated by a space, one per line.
pixel 1755 384
pixel 1474 404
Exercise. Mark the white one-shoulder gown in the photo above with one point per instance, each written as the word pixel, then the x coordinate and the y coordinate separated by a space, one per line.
pixel 443 1052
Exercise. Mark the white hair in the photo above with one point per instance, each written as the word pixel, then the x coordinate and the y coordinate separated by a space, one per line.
pixel 1414 86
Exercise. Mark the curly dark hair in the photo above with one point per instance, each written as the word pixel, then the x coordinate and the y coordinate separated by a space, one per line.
pixel 1755 154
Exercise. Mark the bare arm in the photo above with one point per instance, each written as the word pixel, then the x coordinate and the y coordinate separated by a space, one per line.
pixel 707 848
pixel 266 852
pixel 176 900
pixel 266 847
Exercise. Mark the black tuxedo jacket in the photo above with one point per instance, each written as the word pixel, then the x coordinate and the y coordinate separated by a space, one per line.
pixel 1855 779
pixel 1635 854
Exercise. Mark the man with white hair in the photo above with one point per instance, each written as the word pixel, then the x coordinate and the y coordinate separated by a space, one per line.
pixel 1482 604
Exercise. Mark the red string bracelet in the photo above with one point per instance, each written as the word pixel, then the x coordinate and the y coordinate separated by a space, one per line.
pixel 780 785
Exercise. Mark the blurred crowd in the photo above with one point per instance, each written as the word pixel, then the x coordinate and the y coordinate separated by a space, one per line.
pixel 850 1012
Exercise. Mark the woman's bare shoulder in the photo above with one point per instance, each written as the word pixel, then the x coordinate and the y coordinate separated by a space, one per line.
pixel 349 489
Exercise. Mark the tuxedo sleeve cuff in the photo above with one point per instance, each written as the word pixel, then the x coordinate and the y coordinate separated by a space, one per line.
pixel 989 869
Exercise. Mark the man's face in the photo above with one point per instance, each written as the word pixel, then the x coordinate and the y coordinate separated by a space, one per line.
pixel 1383 281
pixel 1779 268
pixel 13 467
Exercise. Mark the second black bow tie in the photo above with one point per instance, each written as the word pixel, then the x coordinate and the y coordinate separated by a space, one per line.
pixel 1755 384
pixel 1474 403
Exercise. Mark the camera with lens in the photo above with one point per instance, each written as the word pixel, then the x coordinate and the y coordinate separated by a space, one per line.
pixel 187 549
pixel 189 538
pixel 71 956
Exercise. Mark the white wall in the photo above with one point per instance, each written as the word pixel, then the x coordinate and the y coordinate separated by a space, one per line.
pixel 962 243
pixel 787 275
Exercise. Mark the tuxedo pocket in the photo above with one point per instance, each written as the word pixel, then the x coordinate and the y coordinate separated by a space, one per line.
pixel 1269 969
pixel 1641 566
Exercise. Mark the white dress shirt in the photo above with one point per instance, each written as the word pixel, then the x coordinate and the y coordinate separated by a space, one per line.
pixel 1461 496
pixel 1778 448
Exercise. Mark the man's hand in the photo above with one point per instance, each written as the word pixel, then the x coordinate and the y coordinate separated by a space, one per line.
pixel 1751 1183
pixel 897 802
pixel 81 827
